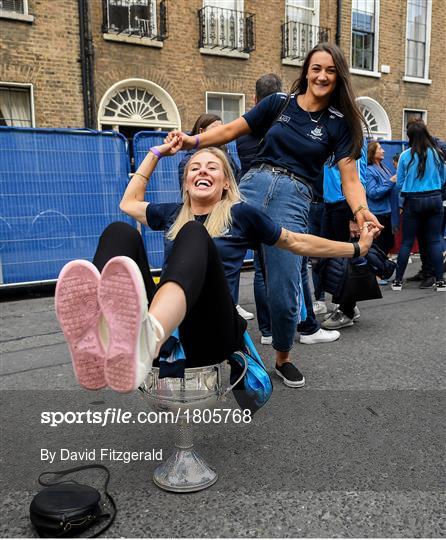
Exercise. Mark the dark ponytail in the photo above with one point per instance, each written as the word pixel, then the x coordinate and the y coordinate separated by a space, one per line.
pixel 420 140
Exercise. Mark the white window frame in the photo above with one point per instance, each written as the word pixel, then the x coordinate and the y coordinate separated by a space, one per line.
pixel 425 79
pixel 364 72
pixel 30 86
pixel 228 94
pixel 405 110
pixel 16 16
pixel 316 22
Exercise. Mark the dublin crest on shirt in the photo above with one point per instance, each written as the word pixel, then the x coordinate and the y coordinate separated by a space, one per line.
pixel 316 133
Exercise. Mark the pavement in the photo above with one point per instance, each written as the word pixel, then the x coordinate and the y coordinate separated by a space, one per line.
pixel 358 452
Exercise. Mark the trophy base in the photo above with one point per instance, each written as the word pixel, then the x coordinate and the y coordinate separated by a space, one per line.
pixel 183 472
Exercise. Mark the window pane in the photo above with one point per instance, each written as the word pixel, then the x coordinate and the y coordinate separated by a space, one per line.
pixel 416 37
pixel 214 105
pixel 15 106
pixel 231 104
pixel 231 109
pixel 227 107
pixel 363 34
pixel 412 115
pixel 12 5
pixel 300 11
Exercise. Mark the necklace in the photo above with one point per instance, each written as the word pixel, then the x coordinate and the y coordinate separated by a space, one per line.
pixel 317 119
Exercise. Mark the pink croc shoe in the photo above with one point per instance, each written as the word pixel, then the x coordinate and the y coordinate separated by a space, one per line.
pixel 133 333
pixel 78 313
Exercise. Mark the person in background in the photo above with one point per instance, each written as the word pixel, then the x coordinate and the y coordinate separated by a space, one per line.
pixel 247 148
pixel 425 276
pixel 339 224
pixel 420 179
pixel 379 187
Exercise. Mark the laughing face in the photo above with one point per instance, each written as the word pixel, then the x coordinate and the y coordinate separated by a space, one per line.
pixel 205 179
pixel 321 75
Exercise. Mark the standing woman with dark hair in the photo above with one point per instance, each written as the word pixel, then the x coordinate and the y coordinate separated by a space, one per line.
pixel 420 178
pixel 379 187
pixel 320 119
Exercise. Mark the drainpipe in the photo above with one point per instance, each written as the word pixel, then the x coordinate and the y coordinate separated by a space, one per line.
pixel 87 65
pixel 338 22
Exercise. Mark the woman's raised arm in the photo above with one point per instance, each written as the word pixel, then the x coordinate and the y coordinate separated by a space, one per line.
pixel 214 137
pixel 132 202
pixel 355 194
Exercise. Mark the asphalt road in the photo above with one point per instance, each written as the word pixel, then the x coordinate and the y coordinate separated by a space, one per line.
pixel 358 452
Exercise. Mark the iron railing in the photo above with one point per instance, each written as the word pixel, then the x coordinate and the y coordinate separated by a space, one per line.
pixel 226 29
pixel 141 18
pixel 299 38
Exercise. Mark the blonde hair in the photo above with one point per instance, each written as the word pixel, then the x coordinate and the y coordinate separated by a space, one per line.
pixel 219 218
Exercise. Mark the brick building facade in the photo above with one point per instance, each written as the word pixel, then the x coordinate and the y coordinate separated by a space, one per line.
pixel 158 64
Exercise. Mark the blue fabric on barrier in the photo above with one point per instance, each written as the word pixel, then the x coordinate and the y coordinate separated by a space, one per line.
pixel 163 187
pixel 59 189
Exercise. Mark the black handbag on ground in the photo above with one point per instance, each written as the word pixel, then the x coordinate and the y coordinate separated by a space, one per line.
pixel 347 280
pixel 65 509
pixel 359 284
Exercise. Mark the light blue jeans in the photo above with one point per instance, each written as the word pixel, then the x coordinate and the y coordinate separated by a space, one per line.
pixel 287 202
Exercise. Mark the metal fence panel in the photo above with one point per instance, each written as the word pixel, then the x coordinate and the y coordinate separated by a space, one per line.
pixel 59 188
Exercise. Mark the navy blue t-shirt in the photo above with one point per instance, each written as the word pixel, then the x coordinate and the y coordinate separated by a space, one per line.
pixel 250 228
pixel 295 142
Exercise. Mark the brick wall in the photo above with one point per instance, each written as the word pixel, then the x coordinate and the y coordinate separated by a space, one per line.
pixel 391 91
pixel 46 53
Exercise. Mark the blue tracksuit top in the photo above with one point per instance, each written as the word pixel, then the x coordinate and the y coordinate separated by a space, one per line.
pixel 379 189
pixel 407 174
pixel 332 178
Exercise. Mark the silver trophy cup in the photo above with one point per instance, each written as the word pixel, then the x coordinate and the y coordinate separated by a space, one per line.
pixel 201 388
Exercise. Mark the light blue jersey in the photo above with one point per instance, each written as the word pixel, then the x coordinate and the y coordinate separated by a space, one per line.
pixel 332 178
pixel 407 174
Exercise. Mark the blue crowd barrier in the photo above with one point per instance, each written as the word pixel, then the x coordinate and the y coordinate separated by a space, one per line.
pixel 59 189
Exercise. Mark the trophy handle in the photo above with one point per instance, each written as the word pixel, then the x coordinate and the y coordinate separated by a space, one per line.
pixel 245 369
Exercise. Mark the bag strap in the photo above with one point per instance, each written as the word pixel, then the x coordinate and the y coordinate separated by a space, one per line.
pixel 278 115
pixel 61 474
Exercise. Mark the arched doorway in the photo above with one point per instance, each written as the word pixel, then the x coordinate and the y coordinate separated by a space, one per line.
pixel 376 118
pixel 134 105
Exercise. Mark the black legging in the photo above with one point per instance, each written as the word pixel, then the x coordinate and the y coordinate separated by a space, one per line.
pixel 212 329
